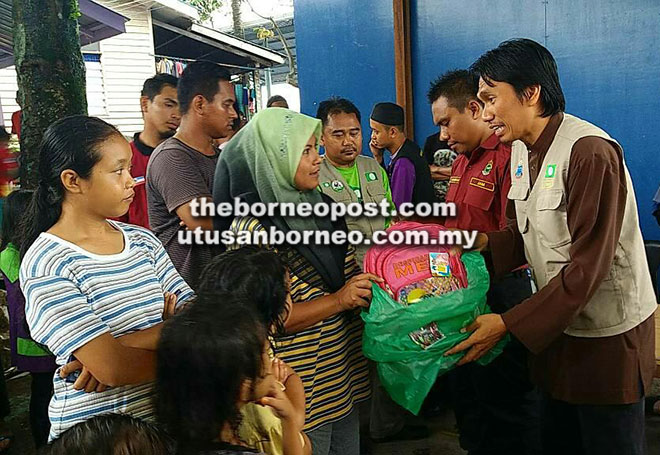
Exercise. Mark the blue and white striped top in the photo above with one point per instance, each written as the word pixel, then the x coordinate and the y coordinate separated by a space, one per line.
pixel 73 296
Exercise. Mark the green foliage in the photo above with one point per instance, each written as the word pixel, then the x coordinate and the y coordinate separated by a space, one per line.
pixel 263 33
pixel 75 10
pixel 205 8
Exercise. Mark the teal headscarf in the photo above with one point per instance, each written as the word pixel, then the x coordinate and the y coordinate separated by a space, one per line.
pixel 259 164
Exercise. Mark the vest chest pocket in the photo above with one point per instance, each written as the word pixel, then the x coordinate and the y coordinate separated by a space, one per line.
pixel 376 191
pixel 551 219
pixel 518 194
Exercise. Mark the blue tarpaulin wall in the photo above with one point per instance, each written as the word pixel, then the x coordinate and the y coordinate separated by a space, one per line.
pixel 608 53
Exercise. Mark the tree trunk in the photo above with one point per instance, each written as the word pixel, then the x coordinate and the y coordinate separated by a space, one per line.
pixel 50 72
pixel 236 16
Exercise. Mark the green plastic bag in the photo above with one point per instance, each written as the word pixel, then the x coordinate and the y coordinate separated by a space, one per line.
pixel 405 369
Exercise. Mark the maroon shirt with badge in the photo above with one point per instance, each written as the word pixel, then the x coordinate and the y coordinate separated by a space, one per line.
pixel 479 186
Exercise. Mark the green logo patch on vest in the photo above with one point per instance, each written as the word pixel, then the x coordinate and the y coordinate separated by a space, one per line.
pixel 325 184
pixel 337 185
pixel 371 176
pixel 550 171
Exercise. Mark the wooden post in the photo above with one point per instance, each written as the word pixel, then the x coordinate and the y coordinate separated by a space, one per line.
pixel 402 62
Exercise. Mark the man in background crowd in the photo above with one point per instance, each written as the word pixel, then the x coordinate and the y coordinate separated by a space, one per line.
pixel 409 174
pixel 182 167
pixel 440 158
pixel 160 112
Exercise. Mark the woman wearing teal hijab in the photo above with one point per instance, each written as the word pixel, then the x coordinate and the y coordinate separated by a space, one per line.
pixel 275 158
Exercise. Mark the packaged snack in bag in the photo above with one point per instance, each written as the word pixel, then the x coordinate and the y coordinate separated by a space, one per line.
pixel 427 336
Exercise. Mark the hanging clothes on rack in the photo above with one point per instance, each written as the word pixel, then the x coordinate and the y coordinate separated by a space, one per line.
pixel 161 67
pixel 179 68
pixel 171 65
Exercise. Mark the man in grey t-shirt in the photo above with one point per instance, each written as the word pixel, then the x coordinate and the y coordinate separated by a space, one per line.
pixel 181 168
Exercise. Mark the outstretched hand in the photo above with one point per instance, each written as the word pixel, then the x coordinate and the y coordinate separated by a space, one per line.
pixel 487 330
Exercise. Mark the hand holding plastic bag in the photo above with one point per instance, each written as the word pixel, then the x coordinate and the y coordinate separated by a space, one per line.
pixel 406 370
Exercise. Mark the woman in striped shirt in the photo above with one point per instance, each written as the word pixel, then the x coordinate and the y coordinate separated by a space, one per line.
pixel 95 289
pixel 275 158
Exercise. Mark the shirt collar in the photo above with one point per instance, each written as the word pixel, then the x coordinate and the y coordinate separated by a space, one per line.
pixel 141 146
pixel 399 149
pixel 489 144
pixel 542 144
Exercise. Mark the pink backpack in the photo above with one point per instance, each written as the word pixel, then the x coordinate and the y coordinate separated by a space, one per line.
pixel 412 272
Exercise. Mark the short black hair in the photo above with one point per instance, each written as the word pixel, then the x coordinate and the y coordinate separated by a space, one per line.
pixel 200 78
pixel 4 135
pixel 336 105
pixel 111 434
pixel 276 99
pixel 458 86
pixel 204 355
pixel 523 63
pixel 154 85
pixel 237 271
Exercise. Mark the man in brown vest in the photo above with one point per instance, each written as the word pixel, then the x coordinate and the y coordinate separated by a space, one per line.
pixel 590 327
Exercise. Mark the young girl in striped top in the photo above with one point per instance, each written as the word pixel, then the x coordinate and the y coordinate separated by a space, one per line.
pixel 95 289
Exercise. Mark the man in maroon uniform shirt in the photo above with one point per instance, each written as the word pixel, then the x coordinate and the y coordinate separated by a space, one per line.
pixel 160 111
pixel 496 406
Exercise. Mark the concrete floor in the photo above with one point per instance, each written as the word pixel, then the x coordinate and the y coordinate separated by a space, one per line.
pixel 443 439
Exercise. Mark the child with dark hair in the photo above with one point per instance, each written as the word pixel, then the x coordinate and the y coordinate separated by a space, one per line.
pixel 112 434
pixel 236 272
pixel 212 362
pixel 26 354
pixel 96 291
